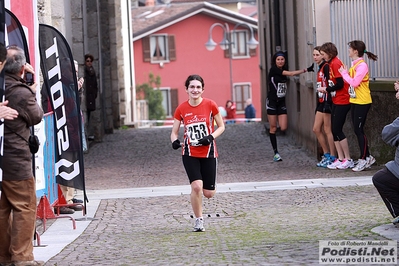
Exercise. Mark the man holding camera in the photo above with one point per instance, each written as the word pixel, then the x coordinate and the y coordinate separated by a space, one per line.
pixel 18 196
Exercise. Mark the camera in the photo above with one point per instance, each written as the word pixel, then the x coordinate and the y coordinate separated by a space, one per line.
pixel 29 78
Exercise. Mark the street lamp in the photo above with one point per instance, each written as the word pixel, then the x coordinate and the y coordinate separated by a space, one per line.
pixel 226 43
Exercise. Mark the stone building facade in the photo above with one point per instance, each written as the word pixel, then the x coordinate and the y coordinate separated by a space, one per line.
pixel 101 28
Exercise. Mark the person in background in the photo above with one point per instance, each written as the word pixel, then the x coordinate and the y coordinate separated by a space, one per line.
pixel 275 102
pixel 340 108
pixel 80 90
pixel 199 153
pixel 5 111
pixel 91 88
pixel 18 191
pixel 250 112
pixel 322 120
pixel 360 98
pixel 386 180
pixel 231 112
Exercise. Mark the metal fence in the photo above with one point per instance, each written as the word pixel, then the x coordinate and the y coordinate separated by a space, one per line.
pixel 376 23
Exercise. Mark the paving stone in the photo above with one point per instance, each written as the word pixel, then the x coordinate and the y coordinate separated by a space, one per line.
pixel 279 227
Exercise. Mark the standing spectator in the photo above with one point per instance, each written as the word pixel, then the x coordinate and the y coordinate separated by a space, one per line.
pixel 275 102
pixel 18 196
pixel 231 112
pixel 360 98
pixel 91 87
pixel 250 112
pixel 80 83
pixel 199 151
pixel 322 120
pixel 340 108
pixel 5 111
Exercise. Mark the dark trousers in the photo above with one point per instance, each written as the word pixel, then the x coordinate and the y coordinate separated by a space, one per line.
pixel 388 186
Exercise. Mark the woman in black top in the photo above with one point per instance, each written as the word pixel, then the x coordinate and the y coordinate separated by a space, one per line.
pixel 275 103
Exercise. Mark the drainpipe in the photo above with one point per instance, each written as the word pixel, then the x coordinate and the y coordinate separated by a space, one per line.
pixel 276 22
pixel 100 69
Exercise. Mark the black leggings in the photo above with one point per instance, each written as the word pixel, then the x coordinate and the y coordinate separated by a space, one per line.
pixel 388 186
pixel 359 115
pixel 338 118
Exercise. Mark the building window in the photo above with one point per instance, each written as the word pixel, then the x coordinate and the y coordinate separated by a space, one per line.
pixel 169 100
pixel 239 46
pixel 166 101
pixel 159 48
pixel 242 92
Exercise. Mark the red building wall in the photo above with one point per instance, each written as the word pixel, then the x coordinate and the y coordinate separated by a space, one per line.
pixel 193 58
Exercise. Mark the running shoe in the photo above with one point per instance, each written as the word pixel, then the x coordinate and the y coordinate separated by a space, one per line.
pixel 199 225
pixel 360 166
pixel 370 160
pixel 396 220
pixel 346 164
pixel 327 162
pixel 323 161
pixel 277 158
pixel 334 164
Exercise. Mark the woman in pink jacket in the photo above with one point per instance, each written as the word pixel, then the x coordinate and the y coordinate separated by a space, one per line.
pixel 360 98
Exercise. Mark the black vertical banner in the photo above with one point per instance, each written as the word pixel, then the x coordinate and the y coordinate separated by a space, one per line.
pixel 59 77
pixel 2 40
pixel 15 33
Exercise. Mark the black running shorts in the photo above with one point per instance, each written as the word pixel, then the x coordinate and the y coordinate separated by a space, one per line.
pixel 201 169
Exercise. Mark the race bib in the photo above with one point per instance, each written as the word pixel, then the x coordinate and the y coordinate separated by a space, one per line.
pixel 352 92
pixel 320 94
pixel 195 132
pixel 281 90
pixel 331 84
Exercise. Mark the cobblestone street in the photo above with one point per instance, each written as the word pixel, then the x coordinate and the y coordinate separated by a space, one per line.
pixel 280 227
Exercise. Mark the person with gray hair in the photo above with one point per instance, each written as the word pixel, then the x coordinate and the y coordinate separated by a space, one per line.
pixel 5 111
pixel 18 197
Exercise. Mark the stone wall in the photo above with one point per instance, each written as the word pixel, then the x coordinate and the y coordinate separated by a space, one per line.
pixel 384 109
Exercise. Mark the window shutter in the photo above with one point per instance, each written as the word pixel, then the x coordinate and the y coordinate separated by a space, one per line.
pixel 172 49
pixel 174 101
pixel 146 49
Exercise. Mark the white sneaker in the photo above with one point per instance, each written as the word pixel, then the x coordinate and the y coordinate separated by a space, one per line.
pixel 369 161
pixel 360 166
pixel 199 225
pixel 346 164
pixel 334 164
